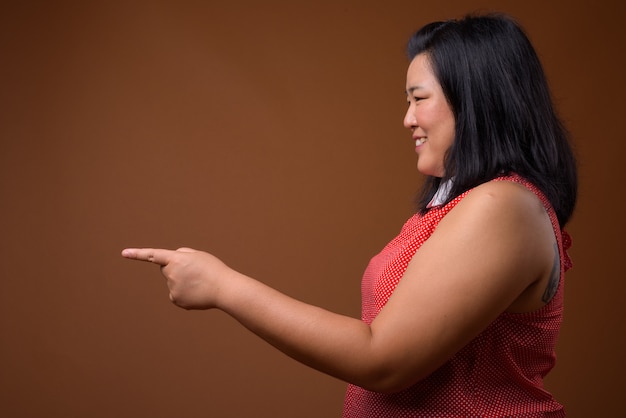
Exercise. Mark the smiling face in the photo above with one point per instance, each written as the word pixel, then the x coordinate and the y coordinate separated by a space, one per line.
pixel 429 117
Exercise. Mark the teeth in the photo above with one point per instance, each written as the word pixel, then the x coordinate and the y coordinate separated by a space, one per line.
pixel 420 141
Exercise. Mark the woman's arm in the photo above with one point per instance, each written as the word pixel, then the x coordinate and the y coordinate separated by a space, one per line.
pixel 491 247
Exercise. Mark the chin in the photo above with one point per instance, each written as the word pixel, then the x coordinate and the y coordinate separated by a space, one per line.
pixel 429 171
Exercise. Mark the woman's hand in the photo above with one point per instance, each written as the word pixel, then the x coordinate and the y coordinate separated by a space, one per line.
pixel 193 277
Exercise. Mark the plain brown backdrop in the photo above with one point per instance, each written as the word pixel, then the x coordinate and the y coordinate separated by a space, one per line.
pixel 269 133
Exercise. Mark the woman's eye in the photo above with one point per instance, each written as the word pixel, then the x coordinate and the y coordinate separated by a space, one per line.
pixel 413 100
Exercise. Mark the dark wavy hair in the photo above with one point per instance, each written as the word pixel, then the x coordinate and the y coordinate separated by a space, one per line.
pixel 505 120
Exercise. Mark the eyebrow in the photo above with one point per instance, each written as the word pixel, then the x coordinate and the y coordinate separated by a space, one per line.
pixel 410 90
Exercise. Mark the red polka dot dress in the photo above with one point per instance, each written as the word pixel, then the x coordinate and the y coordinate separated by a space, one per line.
pixel 498 374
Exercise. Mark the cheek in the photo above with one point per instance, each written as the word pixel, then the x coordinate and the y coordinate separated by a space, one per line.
pixel 448 128
pixel 445 137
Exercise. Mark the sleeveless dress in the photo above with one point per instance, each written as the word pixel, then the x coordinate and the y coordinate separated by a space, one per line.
pixel 498 374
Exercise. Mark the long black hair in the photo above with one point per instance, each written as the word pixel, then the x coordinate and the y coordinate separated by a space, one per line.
pixel 505 121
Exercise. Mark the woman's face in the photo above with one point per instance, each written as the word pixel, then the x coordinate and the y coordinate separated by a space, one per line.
pixel 429 117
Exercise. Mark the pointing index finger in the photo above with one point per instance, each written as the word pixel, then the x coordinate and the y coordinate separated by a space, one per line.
pixel 152 255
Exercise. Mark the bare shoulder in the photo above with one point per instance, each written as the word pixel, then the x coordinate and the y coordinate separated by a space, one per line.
pixel 497 202
pixel 501 222
pixel 506 193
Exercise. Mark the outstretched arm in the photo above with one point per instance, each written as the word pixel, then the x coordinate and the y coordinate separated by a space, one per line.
pixel 329 342
pixel 487 251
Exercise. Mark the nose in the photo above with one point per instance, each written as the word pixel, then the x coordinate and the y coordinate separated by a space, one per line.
pixel 409 118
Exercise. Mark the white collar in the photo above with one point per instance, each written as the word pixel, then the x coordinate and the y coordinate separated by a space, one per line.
pixel 441 195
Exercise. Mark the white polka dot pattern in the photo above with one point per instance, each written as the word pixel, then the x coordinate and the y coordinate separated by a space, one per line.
pixel 498 374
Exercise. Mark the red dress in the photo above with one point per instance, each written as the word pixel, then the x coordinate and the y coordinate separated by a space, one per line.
pixel 498 374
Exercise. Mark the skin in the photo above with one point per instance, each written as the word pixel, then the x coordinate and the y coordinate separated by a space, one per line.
pixel 493 252
pixel 429 117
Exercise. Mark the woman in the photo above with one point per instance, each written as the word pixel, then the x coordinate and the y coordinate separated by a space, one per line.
pixel 461 311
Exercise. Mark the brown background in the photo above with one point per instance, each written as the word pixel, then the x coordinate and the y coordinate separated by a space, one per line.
pixel 270 134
